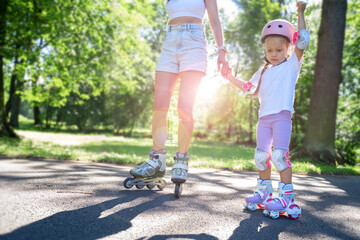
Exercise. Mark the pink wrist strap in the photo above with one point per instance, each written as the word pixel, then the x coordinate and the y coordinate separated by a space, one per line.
pixel 295 37
pixel 247 86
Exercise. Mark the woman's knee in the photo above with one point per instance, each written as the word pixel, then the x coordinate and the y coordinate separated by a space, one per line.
pixel 161 106
pixel 185 113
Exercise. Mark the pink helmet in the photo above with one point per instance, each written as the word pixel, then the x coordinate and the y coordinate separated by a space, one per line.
pixel 278 27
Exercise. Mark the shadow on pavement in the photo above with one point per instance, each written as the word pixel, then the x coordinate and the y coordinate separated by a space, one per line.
pixel 202 236
pixel 85 223
pixel 316 195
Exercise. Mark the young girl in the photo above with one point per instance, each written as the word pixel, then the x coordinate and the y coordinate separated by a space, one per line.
pixel 274 85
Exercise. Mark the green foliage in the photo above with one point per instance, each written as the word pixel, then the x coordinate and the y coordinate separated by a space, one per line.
pixel 73 54
pixel 134 150
pixel 348 114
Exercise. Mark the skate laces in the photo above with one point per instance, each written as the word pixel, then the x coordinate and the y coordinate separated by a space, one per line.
pixel 180 166
pixel 151 164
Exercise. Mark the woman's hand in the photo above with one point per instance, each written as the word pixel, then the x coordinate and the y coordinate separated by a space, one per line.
pixel 222 63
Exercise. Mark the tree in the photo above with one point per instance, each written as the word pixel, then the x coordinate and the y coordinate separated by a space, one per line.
pixel 5 129
pixel 319 142
pixel 348 114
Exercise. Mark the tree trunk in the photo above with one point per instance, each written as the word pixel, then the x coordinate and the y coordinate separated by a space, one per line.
pixel 16 103
pixel 5 129
pixel 15 110
pixel 320 132
pixel 37 118
pixel 14 78
pixel 11 93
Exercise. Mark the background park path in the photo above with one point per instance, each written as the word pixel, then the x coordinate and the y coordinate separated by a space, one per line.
pixel 51 199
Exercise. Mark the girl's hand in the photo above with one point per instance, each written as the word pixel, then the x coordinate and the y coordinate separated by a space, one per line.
pixel 301 6
pixel 227 73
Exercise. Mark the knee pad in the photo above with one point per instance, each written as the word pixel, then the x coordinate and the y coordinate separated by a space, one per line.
pixel 280 158
pixel 262 160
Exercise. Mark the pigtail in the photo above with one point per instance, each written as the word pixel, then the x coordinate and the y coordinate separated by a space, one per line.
pixel 262 72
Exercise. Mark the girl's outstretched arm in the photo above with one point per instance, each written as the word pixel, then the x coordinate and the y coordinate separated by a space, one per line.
pixel 228 75
pixel 301 25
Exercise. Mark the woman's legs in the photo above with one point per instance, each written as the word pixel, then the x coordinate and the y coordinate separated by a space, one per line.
pixel 189 84
pixel 165 83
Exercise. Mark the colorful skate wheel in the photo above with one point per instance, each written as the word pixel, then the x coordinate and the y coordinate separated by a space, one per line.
pixel 128 183
pixel 178 190
pixel 274 214
pixel 139 186
pixel 250 206
pixel 162 184
pixel 150 186
pixel 294 216
pixel 266 212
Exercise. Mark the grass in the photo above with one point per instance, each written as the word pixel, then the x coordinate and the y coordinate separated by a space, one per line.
pixel 134 151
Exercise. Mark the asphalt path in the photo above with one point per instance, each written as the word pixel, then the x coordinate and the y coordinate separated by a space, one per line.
pixel 50 199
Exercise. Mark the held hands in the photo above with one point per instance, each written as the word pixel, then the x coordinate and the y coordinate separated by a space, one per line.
pixel 221 61
pixel 227 73
pixel 301 6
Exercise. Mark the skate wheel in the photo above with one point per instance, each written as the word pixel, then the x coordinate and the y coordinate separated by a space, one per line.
pixel 150 186
pixel 139 186
pixel 162 184
pixel 294 216
pixel 274 214
pixel 178 190
pixel 266 212
pixel 251 206
pixel 128 183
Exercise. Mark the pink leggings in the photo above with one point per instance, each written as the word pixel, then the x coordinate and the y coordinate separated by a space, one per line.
pixel 274 129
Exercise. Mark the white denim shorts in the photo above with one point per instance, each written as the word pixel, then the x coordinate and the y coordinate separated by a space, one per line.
pixel 184 49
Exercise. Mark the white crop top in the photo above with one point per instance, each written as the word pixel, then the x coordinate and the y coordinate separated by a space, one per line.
pixel 185 8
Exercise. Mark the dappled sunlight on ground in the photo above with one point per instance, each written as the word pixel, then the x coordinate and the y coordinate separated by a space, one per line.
pixel 64 139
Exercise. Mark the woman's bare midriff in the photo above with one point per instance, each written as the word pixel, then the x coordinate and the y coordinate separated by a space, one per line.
pixel 180 20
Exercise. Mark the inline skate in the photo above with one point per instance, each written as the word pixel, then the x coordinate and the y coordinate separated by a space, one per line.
pixel 149 174
pixel 262 195
pixel 179 172
pixel 284 204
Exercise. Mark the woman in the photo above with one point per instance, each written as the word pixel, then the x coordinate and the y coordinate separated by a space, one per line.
pixel 183 56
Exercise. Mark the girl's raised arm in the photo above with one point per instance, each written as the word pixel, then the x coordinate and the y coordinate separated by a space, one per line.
pixel 304 38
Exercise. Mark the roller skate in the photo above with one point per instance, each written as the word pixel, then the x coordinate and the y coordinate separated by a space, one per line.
pixel 149 174
pixel 283 204
pixel 179 172
pixel 262 195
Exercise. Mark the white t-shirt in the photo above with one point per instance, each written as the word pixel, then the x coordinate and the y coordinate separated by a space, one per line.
pixel 277 91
